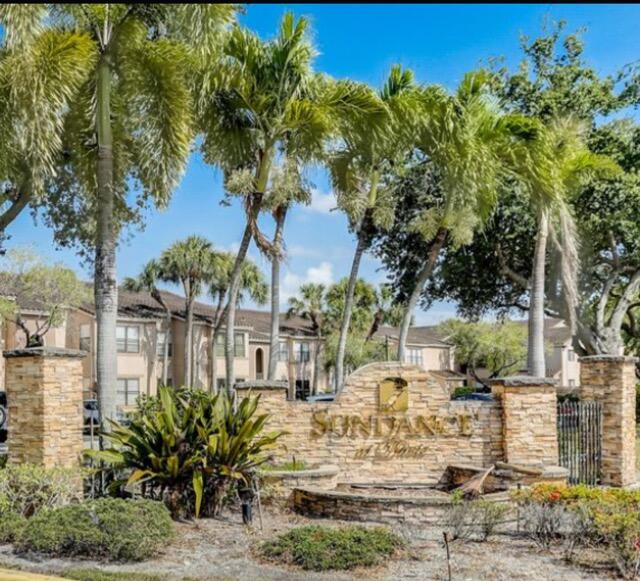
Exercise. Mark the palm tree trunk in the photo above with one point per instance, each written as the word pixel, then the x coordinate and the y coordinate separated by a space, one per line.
pixel 316 365
pixel 165 353
pixel 535 353
pixel 421 279
pixel 215 329
pixel 348 309
pixel 234 288
pixel 105 285
pixel 188 340
pixel 274 340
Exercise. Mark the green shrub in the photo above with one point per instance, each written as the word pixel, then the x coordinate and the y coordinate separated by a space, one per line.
pixel 11 525
pixel 465 519
pixel 320 548
pixel 188 448
pixel 109 528
pixel 486 516
pixel 26 489
pixel 462 391
pixel 621 535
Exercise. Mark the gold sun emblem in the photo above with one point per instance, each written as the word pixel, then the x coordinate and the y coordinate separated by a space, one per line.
pixel 394 395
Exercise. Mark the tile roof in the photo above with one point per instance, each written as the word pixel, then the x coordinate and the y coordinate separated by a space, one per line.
pixel 142 305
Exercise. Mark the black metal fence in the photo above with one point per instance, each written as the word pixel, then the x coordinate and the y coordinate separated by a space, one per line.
pixel 580 440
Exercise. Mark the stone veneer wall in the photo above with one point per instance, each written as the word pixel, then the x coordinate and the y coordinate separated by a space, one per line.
pixel 529 420
pixel 44 396
pixel 481 444
pixel 612 380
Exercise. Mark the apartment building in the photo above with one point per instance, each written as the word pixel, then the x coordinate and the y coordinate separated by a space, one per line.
pixel 144 332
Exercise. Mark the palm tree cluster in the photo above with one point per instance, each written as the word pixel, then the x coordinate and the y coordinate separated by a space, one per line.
pixel 104 101
pixel 195 265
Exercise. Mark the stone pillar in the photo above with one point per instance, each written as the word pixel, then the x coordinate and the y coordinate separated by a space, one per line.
pixel 273 394
pixel 611 379
pixel 44 397
pixel 529 424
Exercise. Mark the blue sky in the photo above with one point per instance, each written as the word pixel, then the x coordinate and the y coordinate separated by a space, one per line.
pixel 440 43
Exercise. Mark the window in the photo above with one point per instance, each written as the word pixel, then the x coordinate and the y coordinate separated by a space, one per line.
pixel 85 337
pixel 128 390
pixel 283 351
pixel 162 343
pixel 301 352
pixel 128 338
pixel 414 356
pixel 572 383
pixel 572 355
pixel 239 349
pixel 239 345
pixel 221 384
pixel 220 345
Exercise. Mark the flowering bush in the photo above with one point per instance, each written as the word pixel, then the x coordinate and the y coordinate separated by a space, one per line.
pixel 579 515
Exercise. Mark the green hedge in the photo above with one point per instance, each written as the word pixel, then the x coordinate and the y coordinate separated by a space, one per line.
pixel 320 548
pixel 109 528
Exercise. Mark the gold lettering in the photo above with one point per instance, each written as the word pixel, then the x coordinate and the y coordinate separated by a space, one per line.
pixel 320 423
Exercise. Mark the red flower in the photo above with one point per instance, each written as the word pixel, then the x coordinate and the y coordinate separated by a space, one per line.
pixel 555 496
pixel 637 544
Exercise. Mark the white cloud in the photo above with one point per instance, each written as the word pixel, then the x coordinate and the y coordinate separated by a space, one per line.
pixel 291 282
pixel 321 203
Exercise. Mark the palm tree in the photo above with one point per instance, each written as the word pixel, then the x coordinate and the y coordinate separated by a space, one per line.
pixel 191 263
pixel 262 102
pixel 464 136
pixel 131 119
pixel 312 305
pixel 252 284
pixel 387 310
pixel 552 161
pixel 287 189
pixel 147 281
pixel 40 75
pixel 372 147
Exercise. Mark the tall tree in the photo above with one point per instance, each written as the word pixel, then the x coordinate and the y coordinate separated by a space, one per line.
pixel 190 263
pixel 40 74
pixel 287 189
pixel 498 347
pixel 312 305
pixel 262 102
pixel 552 163
pixel 463 137
pixel 147 281
pixel 252 285
pixel 372 146
pixel 128 129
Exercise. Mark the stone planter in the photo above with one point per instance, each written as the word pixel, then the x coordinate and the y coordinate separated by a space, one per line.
pixel 279 484
pixel 382 508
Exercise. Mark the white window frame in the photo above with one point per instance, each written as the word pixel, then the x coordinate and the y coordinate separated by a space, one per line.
pixel 85 337
pixel 283 351
pixel 130 345
pixel 414 356
pixel 301 348
pixel 130 396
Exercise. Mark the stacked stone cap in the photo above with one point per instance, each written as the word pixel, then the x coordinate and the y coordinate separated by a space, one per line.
pixel 262 384
pixel 523 381
pixel 608 358
pixel 44 352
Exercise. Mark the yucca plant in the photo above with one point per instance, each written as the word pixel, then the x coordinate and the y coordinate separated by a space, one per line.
pixel 188 448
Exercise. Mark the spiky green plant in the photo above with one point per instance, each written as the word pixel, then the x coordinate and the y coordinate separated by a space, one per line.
pixel 187 447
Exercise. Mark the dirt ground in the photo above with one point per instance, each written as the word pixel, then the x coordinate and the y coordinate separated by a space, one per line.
pixel 224 549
